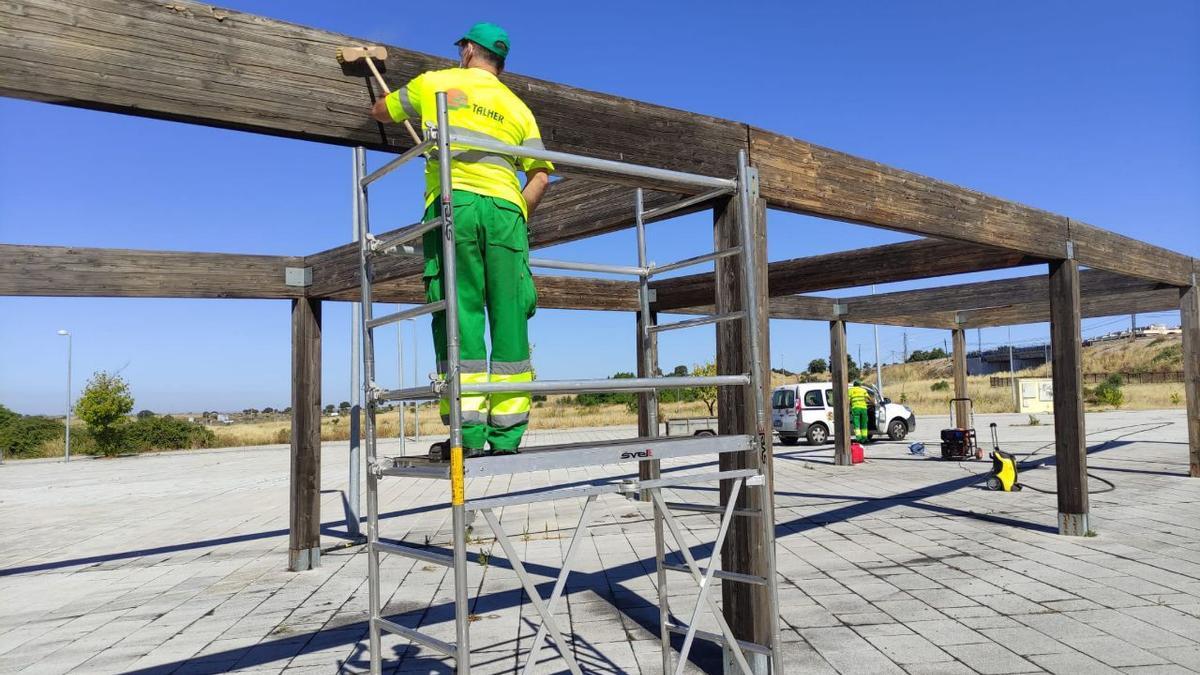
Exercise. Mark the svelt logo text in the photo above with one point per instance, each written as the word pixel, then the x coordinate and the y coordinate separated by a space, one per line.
pixel 637 454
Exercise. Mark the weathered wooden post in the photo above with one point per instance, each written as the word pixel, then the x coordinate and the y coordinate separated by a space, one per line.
pixel 747 607
pixel 841 398
pixel 1189 321
pixel 304 522
pixel 959 360
pixel 1067 344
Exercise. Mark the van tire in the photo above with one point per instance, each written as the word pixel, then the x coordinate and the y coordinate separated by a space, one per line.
pixel 789 439
pixel 705 432
pixel 897 430
pixel 818 434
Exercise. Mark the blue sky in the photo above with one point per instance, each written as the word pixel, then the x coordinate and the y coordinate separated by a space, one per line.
pixel 1088 109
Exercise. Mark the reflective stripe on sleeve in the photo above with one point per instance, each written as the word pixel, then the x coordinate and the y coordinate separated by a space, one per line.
pixel 406 104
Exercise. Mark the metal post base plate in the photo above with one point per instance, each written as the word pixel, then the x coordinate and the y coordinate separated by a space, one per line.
pixel 1073 524
pixel 760 664
pixel 304 559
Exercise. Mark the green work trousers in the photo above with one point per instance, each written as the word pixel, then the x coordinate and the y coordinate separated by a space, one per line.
pixel 858 419
pixel 493 279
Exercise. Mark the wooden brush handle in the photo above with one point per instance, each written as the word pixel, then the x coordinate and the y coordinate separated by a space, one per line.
pixel 379 78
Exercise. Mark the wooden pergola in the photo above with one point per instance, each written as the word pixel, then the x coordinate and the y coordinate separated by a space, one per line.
pixel 199 64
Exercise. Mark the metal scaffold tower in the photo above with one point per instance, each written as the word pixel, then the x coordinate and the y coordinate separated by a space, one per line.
pixel 650 449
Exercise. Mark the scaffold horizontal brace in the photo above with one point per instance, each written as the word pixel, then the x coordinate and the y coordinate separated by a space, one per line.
pixel 575 455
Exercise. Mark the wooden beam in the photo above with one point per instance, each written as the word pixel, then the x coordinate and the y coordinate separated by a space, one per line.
pixel 841 399
pixel 1110 305
pixel 889 263
pixel 553 293
pixel 304 512
pixel 810 179
pixel 1189 320
pixel 121 273
pixel 1070 452
pixel 747 607
pixel 984 294
pixel 1102 249
pixel 959 366
pixel 195 63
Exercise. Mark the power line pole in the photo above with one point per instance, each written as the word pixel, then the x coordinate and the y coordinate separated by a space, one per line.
pixel 906 346
pixel 1132 327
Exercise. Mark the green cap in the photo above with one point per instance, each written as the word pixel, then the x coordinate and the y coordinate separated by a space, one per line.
pixel 489 36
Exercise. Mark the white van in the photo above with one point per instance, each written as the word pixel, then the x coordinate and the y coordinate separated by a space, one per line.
pixel 807 410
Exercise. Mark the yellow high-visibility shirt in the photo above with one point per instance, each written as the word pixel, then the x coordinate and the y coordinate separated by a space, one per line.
pixel 477 102
pixel 858 397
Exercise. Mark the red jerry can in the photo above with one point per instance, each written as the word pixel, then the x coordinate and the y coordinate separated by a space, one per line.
pixel 856 453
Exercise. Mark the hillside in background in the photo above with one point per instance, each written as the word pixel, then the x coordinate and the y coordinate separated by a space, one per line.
pixel 927 386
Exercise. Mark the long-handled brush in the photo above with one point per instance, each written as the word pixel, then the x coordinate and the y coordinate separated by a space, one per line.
pixel 369 55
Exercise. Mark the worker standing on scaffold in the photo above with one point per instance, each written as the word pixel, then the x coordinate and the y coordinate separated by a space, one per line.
pixel 859 395
pixel 492 245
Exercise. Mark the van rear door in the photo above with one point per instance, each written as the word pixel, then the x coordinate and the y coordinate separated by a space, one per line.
pixel 783 409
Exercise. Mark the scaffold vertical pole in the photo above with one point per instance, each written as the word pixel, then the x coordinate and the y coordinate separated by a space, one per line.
pixel 648 342
pixel 354 486
pixel 454 391
pixel 368 377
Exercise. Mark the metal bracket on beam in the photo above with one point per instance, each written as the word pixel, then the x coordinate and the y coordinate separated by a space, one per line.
pixel 652 295
pixel 840 309
pixel 297 276
pixel 752 176
pixel 1070 250
pixel 960 317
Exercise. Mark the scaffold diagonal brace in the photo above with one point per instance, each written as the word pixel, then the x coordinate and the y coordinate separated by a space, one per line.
pixel 585 518
pixel 703 597
pixel 534 597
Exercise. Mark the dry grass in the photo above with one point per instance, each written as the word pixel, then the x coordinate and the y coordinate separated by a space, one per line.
pixel 551 414
pixel 909 383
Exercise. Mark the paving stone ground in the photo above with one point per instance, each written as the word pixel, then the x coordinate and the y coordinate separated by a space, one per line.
pixel 174 563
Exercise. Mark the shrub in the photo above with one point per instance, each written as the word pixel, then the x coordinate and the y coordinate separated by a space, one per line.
pixel 1168 356
pixel 22 436
pixel 1109 392
pixel 167 433
pixel 940 385
pixel 1175 399
pixel 103 406
pixel 284 435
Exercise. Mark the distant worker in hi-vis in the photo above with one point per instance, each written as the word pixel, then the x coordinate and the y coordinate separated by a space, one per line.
pixel 859 396
pixel 492 245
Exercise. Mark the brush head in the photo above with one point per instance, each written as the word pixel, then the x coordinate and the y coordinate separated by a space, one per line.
pixel 353 54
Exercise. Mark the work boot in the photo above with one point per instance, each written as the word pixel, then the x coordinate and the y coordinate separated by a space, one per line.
pixel 440 452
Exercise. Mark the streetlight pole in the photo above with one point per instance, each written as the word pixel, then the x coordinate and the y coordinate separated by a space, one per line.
pixel 67 445
pixel 878 359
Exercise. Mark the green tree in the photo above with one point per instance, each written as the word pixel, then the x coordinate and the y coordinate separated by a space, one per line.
pixel 817 366
pixel 679 371
pixel 143 414
pixel 105 402
pixel 706 394
pixel 932 354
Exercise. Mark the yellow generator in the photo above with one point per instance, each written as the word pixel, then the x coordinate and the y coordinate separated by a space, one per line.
pixel 1004 468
